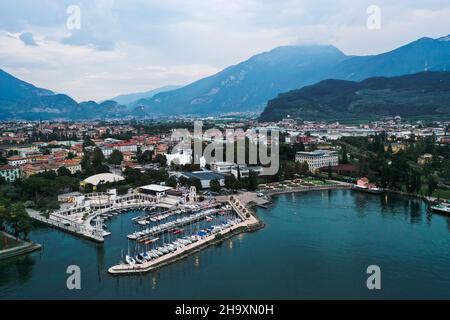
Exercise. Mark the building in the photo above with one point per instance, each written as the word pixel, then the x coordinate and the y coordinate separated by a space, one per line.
pixel 205 177
pixel 232 168
pixel 72 165
pixel 17 161
pixel 222 167
pixel 122 146
pixel 10 173
pixel 155 190
pixel 318 159
pixel 180 158
pixel 101 179
pixel 244 172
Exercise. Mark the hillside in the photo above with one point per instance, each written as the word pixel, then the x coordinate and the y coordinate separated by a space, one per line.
pixel 21 100
pixel 421 94
pixel 249 85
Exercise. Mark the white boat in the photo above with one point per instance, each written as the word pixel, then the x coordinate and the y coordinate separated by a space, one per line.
pixel 130 260
pixel 442 208
pixel 163 250
pixel 139 259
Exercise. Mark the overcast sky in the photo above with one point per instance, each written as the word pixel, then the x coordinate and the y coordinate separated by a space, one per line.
pixel 135 45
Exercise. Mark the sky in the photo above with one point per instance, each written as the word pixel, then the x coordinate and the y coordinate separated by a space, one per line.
pixel 124 46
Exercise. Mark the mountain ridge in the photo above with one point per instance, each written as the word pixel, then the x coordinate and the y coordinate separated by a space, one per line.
pixel 422 94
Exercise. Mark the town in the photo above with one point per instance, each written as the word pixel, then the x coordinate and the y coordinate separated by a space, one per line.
pixel 75 176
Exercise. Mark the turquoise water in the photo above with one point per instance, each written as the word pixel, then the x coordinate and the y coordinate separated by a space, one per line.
pixel 316 245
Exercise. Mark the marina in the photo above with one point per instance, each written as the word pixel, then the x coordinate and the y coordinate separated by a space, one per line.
pixel 319 243
pixel 166 242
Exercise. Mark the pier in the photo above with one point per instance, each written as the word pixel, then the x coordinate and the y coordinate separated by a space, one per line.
pixel 174 256
pixel 248 223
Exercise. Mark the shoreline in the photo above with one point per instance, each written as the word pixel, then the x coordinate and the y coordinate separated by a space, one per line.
pixel 24 248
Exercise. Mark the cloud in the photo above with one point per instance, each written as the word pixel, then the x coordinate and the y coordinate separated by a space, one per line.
pixel 27 39
pixel 137 45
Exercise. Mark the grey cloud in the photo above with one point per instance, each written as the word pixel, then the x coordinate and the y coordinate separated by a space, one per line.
pixel 28 39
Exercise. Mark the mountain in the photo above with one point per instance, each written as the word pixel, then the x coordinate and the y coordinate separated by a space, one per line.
pixel 244 87
pixel 21 100
pixel 423 94
pixel 249 85
pixel 423 54
pixel 132 98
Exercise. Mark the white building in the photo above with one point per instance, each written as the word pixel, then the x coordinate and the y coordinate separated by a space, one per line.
pixel 107 149
pixel 222 167
pixel 181 158
pixel 10 173
pixel 244 171
pixel 227 167
pixel 318 159
pixel 17 161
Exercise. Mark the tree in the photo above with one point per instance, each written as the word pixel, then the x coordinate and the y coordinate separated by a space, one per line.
pixel 122 190
pixel 97 157
pixel 304 168
pixel 3 160
pixel 330 171
pixel 172 182
pixel 215 185
pixel 432 185
pixel 161 160
pixel 88 142
pixel 63 171
pixel 71 155
pixel 229 181
pixel 344 155
pixel 131 175
pixel 116 158
pixel 183 181
pixel 3 217
pixel 252 181
pixel 146 157
pixel 196 183
pixel 20 221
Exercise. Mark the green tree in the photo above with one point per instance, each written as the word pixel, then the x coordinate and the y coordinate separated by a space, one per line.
pixel 63 171
pixel 304 168
pixel 88 142
pixel 344 155
pixel 196 183
pixel 122 190
pixel 432 185
pixel 97 157
pixel 229 181
pixel 116 158
pixel 215 185
pixel 161 160
pixel 172 182
pixel 252 181
pixel 4 217
pixel 20 221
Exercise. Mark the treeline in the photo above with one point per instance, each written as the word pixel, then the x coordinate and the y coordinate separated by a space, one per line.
pixel 399 169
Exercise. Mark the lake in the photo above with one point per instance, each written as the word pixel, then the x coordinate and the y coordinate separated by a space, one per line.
pixel 316 245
